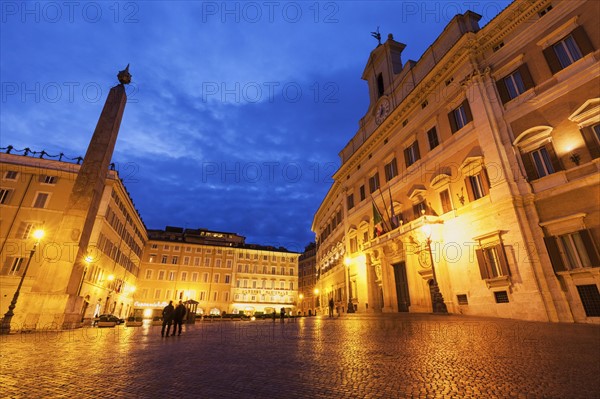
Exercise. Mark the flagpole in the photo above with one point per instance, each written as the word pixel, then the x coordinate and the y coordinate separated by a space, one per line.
pixel 378 211
pixel 392 205
pixel 385 207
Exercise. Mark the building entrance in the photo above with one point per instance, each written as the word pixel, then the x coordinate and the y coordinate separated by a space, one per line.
pixel 401 286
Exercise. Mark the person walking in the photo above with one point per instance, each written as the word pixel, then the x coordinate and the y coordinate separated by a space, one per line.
pixel 282 314
pixel 178 317
pixel 330 307
pixel 167 316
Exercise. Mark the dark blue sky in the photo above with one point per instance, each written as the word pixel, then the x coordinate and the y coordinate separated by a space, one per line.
pixel 236 112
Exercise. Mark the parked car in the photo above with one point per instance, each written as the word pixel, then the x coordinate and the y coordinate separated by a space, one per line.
pixel 110 317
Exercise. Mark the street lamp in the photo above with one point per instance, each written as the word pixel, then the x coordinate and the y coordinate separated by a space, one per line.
pixel 348 262
pixel 5 328
pixel 436 296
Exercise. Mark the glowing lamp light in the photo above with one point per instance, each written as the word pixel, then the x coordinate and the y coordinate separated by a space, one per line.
pixel 347 261
pixel 147 313
pixel 301 296
pixel 110 277
pixel 316 291
pixel 132 289
pixel 38 234
pixel 426 229
pixel 89 259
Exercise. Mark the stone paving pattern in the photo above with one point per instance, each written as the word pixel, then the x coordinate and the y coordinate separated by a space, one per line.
pixel 354 356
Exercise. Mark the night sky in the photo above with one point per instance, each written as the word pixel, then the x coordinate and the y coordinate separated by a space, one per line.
pixel 236 112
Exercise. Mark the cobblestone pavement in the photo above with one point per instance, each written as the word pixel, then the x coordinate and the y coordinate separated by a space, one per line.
pixel 355 356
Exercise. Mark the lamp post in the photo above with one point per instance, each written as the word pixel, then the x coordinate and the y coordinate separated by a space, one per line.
pixel 436 296
pixel 347 263
pixel 5 328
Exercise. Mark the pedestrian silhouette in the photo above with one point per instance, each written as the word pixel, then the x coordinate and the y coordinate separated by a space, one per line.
pixel 282 314
pixel 167 316
pixel 178 317
pixel 330 307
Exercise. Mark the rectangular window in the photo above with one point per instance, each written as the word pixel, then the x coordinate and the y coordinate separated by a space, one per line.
pixel 202 295
pixel 590 299
pixel 477 185
pixel 514 84
pixel 194 277
pixel 207 262
pixel 14 266
pixel 183 276
pixel 227 278
pixel 374 182
pixel 226 296
pixel 460 116
pixel 432 137
pixel 419 209
pixel 205 277
pixel 5 195
pixel 350 201
pixel 362 193
pixel 492 261
pixel 412 154
pixel 157 294
pixel 196 261
pixel 40 200
pixel 215 296
pixel 216 277
pixel 229 263
pixel 25 230
pixel 161 274
pixel 164 259
pixel 445 201
pixel 148 274
pixel 501 296
pixel 217 262
pixel 154 246
pixel 171 276
pixel 11 175
pixel 174 260
pixel 542 162
pixel 391 170
pixel 152 258
pixel 45 179
pixel 186 260
pixel 567 51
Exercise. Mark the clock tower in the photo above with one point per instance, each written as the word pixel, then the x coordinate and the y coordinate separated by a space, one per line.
pixel 382 68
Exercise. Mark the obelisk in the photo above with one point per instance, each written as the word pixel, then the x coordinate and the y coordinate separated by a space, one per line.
pixel 62 310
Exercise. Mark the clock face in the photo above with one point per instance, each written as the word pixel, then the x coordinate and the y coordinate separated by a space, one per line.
pixel 383 109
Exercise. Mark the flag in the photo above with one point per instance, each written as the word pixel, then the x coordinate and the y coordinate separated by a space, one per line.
pixel 377 221
pixel 394 219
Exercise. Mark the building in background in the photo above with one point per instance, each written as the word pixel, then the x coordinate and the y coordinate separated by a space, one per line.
pixel 218 270
pixel 472 182
pixel 307 277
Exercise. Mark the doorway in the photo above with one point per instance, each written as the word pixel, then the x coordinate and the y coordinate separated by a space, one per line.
pixel 401 286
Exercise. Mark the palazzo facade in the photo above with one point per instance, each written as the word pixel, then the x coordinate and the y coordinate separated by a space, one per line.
pixel 476 168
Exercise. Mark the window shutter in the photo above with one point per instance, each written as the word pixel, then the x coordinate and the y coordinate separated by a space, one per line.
pixel 452 120
pixel 526 76
pixel 469 189
pixel 406 157
pixel 41 178
pixel 530 170
pixel 583 41
pixel 417 152
pixel 467 109
pixel 503 261
pixel 485 182
pixel 503 91
pixel 552 59
pixel 590 248
pixel 7 265
pixel 556 164
pixel 553 252
pixel 482 266
pixel 591 142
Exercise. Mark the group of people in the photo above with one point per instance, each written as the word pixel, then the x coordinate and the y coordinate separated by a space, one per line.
pixel 170 315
